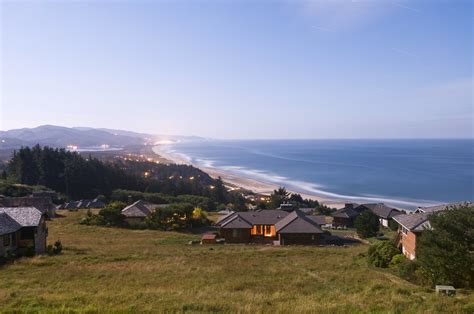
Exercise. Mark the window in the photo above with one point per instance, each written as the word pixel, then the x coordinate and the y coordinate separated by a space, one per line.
pixel 235 233
pixel 270 231
pixel 6 240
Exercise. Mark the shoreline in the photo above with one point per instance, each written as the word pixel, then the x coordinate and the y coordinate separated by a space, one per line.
pixel 243 182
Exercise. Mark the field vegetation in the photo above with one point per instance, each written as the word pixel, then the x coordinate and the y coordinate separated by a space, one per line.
pixel 103 268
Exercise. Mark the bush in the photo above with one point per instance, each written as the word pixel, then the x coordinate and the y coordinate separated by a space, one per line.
pixel 367 224
pixel 111 215
pixel 381 254
pixel 397 259
pixel 54 249
pixel 408 270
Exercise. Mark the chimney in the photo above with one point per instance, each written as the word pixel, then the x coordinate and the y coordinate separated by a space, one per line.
pixel 350 205
pixel 130 200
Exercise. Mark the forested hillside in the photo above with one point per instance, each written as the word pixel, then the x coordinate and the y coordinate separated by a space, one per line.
pixel 78 177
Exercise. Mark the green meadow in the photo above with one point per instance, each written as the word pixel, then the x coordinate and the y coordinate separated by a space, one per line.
pixel 109 269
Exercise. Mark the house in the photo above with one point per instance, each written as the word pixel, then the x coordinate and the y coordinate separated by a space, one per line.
pixel 43 203
pixel 22 229
pixel 410 226
pixel 271 226
pixel 345 217
pixel 136 213
pixel 437 208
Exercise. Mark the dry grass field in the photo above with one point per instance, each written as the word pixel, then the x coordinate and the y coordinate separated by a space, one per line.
pixel 107 269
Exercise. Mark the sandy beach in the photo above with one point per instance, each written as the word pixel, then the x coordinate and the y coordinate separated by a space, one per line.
pixel 240 181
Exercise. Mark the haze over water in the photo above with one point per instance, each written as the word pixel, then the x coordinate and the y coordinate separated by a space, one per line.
pixel 403 172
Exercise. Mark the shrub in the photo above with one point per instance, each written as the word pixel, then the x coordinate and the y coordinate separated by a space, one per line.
pixel 112 214
pixel 397 259
pixel 367 224
pixel 54 249
pixel 381 254
pixel 408 270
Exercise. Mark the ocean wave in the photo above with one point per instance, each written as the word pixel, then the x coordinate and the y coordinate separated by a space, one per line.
pixel 298 186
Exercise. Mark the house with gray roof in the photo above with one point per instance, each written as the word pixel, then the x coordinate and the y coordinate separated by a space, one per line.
pixel 384 213
pixel 22 229
pixel 411 226
pixel 437 208
pixel 345 217
pixel 271 226
pixel 136 213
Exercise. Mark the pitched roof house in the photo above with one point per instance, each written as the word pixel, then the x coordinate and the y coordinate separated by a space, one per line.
pixel 137 212
pixel 346 216
pixel 410 226
pixel 384 212
pixel 271 226
pixel 22 228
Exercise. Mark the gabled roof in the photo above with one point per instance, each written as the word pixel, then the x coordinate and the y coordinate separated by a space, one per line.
pixel 297 222
pixel 236 222
pixel 382 210
pixel 264 217
pixel 413 222
pixel 225 217
pixel 319 219
pixel 7 224
pixel 345 213
pixel 43 204
pixel 13 218
pixel 139 209
pixel 437 208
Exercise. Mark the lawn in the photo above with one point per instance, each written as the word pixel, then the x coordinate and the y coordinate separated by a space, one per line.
pixel 142 270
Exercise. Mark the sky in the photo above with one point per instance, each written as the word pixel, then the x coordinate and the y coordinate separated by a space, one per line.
pixel 241 69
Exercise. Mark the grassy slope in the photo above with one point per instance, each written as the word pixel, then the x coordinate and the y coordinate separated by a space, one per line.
pixel 118 269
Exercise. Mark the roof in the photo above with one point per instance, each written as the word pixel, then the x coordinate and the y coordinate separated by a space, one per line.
pixel 138 209
pixel 223 218
pixel 297 222
pixel 8 224
pixel 319 219
pixel 208 236
pixel 43 204
pixel 236 222
pixel 437 208
pixel 345 212
pixel 413 222
pixel 382 210
pixel 264 217
pixel 14 218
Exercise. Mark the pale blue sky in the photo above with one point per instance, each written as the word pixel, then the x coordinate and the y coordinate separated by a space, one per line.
pixel 241 69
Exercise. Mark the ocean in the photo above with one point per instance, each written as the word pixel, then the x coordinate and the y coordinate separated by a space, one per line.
pixel 406 173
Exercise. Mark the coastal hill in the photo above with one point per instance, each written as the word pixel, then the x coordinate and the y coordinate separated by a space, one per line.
pixel 81 137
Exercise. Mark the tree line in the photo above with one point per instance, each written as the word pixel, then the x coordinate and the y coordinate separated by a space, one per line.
pixel 77 177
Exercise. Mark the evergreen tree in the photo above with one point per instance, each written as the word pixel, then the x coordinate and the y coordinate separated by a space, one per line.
pixel 367 224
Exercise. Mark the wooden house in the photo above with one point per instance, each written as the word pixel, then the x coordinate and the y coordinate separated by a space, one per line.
pixel 22 229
